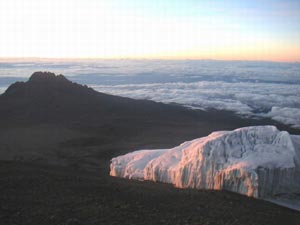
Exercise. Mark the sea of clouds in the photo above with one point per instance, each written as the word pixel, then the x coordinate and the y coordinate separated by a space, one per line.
pixel 249 88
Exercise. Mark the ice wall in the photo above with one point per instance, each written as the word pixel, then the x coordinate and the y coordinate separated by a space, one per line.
pixel 257 161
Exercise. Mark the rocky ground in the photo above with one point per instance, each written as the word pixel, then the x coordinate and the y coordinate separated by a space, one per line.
pixel 35 194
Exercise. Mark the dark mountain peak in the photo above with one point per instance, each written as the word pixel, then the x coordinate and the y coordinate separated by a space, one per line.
pixel 47 97
pixel 44 84
pixel 47 77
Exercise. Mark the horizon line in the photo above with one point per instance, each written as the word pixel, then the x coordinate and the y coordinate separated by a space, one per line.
pixel 139 58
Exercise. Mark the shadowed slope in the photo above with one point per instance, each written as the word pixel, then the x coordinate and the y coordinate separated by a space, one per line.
pixel 46 97
pixel 51 117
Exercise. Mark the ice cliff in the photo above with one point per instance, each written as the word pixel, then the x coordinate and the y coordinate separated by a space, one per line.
pixel 258 161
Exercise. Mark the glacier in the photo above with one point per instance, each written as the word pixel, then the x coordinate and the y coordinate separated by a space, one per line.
pixel 257 161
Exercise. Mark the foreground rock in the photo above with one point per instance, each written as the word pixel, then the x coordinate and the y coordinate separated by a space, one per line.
pixel 258 161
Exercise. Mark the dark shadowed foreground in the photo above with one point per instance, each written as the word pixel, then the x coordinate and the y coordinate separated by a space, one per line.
pixel 56 140
pixel 32 194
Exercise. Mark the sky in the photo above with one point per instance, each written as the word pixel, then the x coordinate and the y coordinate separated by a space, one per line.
pixel 165 29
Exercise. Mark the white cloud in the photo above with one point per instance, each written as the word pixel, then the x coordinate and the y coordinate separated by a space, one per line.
pixel 264 89
pixel 286 115
pixel 242 98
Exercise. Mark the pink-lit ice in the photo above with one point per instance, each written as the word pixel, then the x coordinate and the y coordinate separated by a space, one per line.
pixel 257 161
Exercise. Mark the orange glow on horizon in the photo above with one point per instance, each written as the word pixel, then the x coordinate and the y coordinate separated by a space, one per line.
pixel 62 29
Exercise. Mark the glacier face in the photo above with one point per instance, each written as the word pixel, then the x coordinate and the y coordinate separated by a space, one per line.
pixel 258 161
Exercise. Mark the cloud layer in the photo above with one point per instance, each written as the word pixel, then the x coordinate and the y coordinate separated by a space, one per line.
pixel 263 89
pixel 280 102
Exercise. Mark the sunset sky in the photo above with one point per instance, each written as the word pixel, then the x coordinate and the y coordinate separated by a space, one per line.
pixel 168 29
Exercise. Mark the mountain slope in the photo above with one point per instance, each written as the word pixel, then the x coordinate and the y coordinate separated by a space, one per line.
pixel 49 98
pixel 49 118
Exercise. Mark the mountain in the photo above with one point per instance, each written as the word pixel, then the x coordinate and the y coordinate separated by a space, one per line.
pixel 70 122
pixel 258 161
pixel 50 98
pixel 46 97
pixel 51 119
